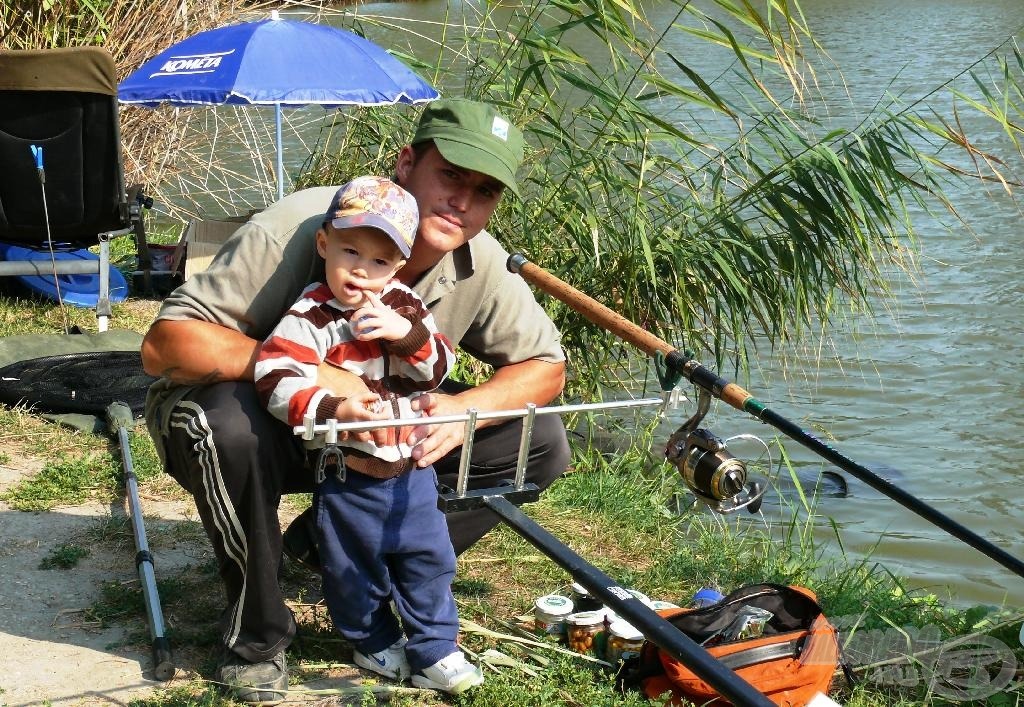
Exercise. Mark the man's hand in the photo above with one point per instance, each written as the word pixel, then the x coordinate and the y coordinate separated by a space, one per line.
pixel 376 320
pixel 431 442
pixel 510 388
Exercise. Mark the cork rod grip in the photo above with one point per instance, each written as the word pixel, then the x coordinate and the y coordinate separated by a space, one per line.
pixel 590 308
pixel 612 321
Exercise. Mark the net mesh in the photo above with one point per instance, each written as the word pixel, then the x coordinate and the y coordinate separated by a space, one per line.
pixel 77 383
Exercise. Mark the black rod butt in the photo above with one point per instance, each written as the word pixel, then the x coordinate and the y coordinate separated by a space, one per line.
pixel 515 262
pixel 163 665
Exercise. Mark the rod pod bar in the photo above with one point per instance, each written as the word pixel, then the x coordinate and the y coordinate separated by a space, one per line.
pixel 740 399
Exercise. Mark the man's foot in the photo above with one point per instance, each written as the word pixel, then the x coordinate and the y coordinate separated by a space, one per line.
pixel 453 675
pixel 390 662
pixel 299 541
pixel 264 683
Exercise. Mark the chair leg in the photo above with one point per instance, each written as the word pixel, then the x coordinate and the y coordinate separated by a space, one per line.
pixel 103 310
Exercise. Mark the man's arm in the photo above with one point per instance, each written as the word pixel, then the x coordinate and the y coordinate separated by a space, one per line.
pixel 191 352
pixel 195 352
pixel 510 388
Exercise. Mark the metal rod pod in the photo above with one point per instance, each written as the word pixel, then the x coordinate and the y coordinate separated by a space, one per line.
pixel 467 452
pixel 524 444
pixel 118 416
pixel 491 415
pixel 332 432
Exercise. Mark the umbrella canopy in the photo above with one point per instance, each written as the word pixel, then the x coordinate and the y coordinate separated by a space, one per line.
pixel 284 63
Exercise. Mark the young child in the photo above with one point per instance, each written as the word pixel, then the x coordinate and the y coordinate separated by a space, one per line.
pixel 382 537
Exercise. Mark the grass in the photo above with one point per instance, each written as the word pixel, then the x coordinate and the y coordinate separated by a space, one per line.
pixel 755 223
pixel 64 557
pixel 623 511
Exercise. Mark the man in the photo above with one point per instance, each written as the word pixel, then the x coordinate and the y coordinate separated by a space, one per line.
pixel 217 440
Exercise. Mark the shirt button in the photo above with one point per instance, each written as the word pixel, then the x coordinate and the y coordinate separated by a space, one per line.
pixel 442 280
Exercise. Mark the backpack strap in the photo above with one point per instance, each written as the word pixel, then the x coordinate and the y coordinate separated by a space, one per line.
pixel 760 654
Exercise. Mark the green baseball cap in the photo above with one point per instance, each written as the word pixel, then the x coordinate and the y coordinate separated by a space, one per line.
pixel 474 136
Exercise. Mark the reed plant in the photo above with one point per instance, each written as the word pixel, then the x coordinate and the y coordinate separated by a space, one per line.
pixel 715 210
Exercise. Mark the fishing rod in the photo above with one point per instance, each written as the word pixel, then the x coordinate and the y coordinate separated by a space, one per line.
pixel 734 395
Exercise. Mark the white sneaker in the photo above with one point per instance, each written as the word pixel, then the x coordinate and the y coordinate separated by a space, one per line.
pixel 453 675
pixel 390 662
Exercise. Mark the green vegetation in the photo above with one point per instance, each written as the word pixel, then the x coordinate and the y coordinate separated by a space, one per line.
pixel 64 557
pixel 713 210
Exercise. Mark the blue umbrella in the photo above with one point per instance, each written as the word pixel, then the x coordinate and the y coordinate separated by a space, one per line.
pixel 276 62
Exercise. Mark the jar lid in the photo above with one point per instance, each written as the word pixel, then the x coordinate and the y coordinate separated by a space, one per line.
pixel 580 589
pixel 625 630
pixel 554 604
pixel 644 599
pixel 586 618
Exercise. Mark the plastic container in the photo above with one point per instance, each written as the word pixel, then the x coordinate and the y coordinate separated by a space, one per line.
pixel 706 597
pixel 623 638
pixel 586 632
pixel 582 599
pixel 163 258
pixel 644 599
pixel 81 290
pixel 659 605
pixel 550 612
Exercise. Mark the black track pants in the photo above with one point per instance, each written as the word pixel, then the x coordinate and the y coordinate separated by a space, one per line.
pixel 237 461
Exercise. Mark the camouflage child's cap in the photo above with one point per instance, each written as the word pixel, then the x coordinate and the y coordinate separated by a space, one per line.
pixel 380 203
pixel 473 135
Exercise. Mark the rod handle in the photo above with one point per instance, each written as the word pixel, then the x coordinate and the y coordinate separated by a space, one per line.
pixel 588 307
pixel 626 330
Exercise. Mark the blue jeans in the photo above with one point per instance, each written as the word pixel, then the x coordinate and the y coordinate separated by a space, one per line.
pixel 382 540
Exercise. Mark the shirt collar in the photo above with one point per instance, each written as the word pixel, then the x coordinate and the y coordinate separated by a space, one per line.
pixel 440 280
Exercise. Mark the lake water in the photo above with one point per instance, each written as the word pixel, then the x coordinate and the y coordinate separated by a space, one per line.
pixel 928 393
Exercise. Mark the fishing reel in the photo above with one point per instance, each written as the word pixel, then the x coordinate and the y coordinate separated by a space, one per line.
pixel 711 472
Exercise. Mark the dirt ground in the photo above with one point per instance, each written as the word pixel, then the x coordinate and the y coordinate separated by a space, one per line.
pixel 56 651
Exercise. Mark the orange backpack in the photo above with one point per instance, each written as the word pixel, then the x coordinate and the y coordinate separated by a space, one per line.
pixel 793 660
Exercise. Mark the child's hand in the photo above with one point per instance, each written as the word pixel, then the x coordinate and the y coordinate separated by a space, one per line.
pixel 376 320
pixel 361 408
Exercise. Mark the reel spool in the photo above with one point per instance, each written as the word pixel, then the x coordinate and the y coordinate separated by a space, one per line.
pixel 712 473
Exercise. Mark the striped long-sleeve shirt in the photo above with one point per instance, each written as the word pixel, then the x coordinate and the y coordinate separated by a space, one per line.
pixel 315 330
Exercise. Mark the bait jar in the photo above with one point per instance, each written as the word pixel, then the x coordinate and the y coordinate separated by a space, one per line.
pixel 549 614
pixel 622 638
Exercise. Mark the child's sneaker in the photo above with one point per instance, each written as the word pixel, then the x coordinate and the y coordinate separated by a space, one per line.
pixel 390 662
pixel 453 674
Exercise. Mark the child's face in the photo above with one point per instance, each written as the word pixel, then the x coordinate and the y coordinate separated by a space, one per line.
pixel 357 259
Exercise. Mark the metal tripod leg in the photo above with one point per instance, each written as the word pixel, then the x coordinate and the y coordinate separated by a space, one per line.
pixel 119 418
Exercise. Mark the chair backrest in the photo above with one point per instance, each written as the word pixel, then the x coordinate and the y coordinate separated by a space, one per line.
pixel 65 101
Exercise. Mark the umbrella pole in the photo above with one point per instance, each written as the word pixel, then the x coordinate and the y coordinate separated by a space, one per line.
pixel 280 152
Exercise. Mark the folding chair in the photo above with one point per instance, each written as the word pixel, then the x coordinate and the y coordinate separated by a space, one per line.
pixel 64 103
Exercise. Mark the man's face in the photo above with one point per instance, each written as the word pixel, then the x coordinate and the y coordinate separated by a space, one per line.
pixel 454 203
